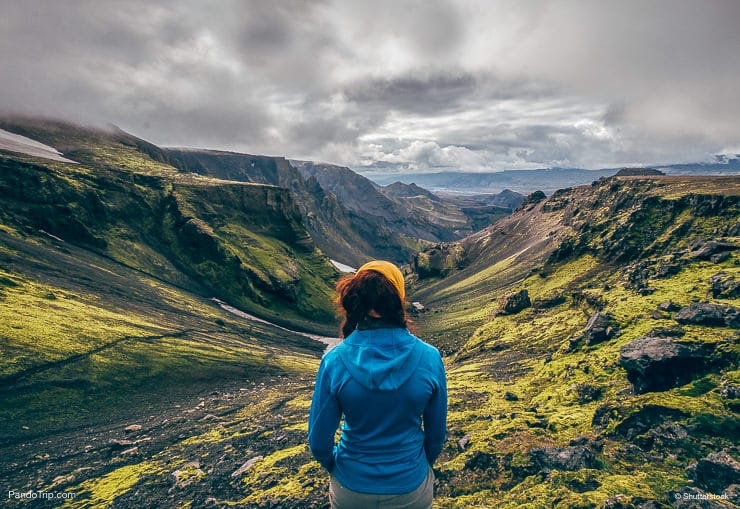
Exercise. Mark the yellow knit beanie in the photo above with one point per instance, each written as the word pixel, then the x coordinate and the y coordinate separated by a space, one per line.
pixel 390 272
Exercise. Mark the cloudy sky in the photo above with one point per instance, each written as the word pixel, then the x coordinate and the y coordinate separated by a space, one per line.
pixel 417 84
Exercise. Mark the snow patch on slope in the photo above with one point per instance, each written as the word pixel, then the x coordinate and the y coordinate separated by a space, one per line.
pixel 17 143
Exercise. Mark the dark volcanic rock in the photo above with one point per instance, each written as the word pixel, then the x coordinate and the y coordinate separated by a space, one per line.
pixel 599 328
pixel 667 435
pixel 723 285
pixel 567 458
pixel 667 269
pixel 587 392
pixel 438 260
pixel 482 461
pixel 705 249
pixel 719 257
pixel 533 198
pixel 638 423
pixel 618 502
pixel 512 304
pixel 716 472
pixel 659 364
pixel 627 502
pixel 675 331
pixel 668 306
pixel 548 302
pixel 705 313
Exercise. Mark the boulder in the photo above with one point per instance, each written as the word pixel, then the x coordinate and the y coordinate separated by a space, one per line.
pixel 665 436
pixel 587 392
pixel 668 306
pixel 730 390
pixel 666 269
pixel 438 260
pixel 548 302
pixel 566 458
pixel 716 472
pixel 724 286
pixel 705 249
pixel 659 364
pixel 719 257
pixel 533 198
pixel 705 313
pixel 514 303
pixel 619 501
pixel 599 328
pixel 674 331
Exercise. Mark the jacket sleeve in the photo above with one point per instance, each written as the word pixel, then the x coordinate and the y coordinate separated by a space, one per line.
pixel 323 419
pixel 435 416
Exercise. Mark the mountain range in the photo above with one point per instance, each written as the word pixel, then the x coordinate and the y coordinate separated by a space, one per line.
pixel 163 313
pixel 528 181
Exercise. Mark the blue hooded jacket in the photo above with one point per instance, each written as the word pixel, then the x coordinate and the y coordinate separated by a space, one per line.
pixel 391 389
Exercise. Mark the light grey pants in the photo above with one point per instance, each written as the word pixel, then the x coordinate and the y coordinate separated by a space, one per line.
pixel 421 498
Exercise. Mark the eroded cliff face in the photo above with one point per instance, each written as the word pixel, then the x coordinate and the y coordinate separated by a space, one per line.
pixel 244 243
pixel 344 233
pixel 407 211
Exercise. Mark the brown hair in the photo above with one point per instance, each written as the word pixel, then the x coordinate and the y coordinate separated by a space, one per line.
pixel 365 291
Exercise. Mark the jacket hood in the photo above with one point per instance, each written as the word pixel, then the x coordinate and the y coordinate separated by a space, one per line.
pixel 380 359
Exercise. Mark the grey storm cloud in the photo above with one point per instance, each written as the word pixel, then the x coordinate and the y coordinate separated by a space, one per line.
pixel 466 84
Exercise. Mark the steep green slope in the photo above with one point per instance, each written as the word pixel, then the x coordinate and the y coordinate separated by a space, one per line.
pixel 107 323
pixel 349 235
pixel 243 243
pixel 547 407
pixel 91 347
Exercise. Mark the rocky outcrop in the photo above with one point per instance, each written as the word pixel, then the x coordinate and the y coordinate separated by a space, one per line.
pixel 705 313
pixel 599 328
pixel 716 472
pixel 659 363
pixel 533 198
pixel 514 303
pixel 548 302
pixel 587 392
pixel 570 458
pixel 724 286
pixel 438 261
pixel 706 249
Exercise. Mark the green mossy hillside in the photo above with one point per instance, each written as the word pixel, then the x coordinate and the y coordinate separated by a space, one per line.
pixel 243 243
pixel 523 383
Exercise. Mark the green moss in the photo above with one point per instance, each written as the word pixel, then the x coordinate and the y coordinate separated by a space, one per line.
pixel 102 492
pixel 290 487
